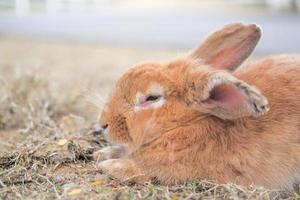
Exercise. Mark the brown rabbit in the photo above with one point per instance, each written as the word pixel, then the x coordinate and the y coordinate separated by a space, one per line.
pixel 200 117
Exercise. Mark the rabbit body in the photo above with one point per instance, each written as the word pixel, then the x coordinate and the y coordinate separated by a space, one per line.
pixel 192 119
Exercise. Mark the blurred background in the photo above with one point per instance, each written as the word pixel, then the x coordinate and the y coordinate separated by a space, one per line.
pixel 57 53
pixel 152 24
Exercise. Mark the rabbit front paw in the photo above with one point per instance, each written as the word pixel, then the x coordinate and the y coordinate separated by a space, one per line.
pixel 125 170
pixel 109 153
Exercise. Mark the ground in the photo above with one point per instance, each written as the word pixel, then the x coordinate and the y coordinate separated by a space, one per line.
pixel 50 96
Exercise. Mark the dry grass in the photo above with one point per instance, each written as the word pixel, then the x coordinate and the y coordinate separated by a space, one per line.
pixel 47 133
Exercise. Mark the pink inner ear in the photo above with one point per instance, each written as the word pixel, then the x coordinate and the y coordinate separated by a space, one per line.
pixel 226 95
pixel 229 58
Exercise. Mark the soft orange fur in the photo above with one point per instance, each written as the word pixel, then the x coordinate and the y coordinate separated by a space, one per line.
pixel 190 137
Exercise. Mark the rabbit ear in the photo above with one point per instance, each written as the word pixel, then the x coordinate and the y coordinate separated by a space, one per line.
pixel 228 47
pixel 227 97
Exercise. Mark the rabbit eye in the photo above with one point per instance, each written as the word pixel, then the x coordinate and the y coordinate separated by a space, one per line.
pixel 150 100
pixel 153 97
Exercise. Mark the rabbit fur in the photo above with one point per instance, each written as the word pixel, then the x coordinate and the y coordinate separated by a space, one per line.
pixel 200 116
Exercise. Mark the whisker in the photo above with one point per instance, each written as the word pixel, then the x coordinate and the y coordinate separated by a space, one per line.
pixel 94 100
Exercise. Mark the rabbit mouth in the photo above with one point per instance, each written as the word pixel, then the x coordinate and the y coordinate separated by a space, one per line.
pixel 105 134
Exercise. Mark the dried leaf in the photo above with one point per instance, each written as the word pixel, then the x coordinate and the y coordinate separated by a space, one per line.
pixel 174 197
pixel 62 142
pixel 97 183
pixel 74 192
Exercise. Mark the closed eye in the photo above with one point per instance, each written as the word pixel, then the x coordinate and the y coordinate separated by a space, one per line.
pixel 153 97
pixel 150 100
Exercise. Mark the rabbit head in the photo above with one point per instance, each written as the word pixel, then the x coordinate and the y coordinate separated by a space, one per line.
pixel 156 97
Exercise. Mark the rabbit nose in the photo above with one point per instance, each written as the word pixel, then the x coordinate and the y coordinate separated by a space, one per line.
pixel 104 126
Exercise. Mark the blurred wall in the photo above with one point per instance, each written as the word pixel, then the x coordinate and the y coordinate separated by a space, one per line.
pixel 151 23
pixel 52 7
